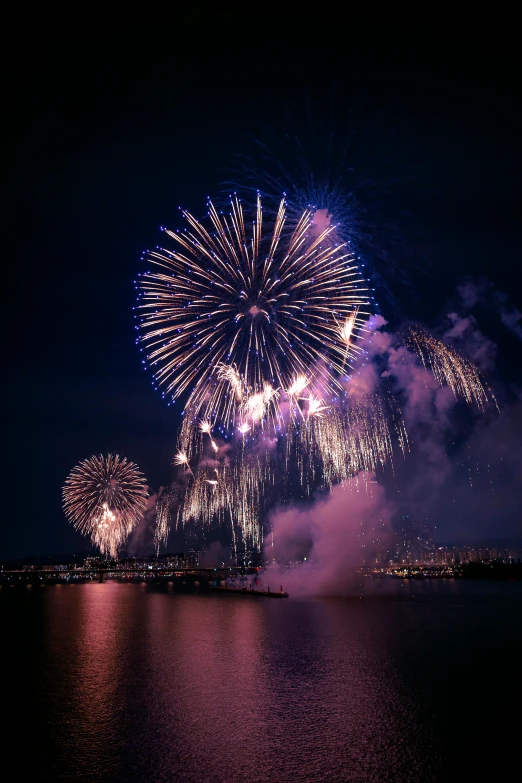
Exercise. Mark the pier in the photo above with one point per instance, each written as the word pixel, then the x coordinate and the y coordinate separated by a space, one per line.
pixel 251 591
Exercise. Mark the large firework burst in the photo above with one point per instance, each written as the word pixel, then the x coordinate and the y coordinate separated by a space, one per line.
pixel 105 497
pixel 249 307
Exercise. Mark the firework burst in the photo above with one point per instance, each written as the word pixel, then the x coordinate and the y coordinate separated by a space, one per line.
pixel 236 309
pixel 105 497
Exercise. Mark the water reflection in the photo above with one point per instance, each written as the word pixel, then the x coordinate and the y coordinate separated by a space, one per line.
pixel 143 684
pixel 85 633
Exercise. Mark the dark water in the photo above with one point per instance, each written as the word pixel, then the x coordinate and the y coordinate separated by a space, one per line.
pixel 115 682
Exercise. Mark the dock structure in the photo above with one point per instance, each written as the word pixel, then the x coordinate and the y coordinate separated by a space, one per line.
pixel 251 591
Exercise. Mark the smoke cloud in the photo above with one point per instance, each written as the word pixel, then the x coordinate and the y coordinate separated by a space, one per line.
pixel 474 292
pixel 462 469
pixel 141 538
pixel 333 535
pixel 467 338
pixel 215 555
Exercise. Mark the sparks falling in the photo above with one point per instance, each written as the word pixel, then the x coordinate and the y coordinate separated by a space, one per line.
pixel 449 367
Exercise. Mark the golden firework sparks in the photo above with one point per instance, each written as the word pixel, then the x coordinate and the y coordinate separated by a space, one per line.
pixel 105 498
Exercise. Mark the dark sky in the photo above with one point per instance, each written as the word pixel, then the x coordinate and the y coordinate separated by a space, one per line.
pixel 114 121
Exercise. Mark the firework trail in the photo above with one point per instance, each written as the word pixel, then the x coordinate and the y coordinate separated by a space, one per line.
pixel 167 500
pixel 105 497
pixel 448 367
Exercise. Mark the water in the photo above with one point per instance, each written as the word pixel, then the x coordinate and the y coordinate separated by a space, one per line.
pixel 127 682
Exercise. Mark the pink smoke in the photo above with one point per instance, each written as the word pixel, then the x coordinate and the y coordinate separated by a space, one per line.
pixel 140 540
pixel 465 335
pixel 334 535
pixel 473 292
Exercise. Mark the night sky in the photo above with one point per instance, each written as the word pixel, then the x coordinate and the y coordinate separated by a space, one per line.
pixel 115 121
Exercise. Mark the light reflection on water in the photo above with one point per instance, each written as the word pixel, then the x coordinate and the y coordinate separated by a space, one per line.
pixel 134 683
